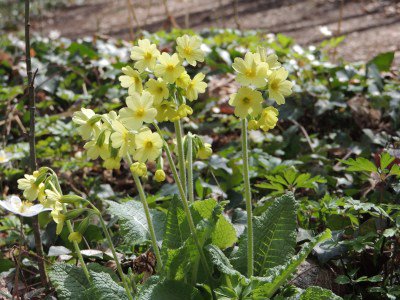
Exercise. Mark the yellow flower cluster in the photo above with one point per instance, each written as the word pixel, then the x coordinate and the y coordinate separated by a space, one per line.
pixel 258 72
pixel 158 89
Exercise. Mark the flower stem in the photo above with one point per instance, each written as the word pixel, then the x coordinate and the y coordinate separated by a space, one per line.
pixel 181 154
pixel 148 217
pixel 186 208
pixel 247 195
pixel 114 253
pixel 190 167
pixel 76 247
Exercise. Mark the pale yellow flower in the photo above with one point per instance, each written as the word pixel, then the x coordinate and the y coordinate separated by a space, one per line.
pixel 183 80
pixel 131 80
pixel 139 168
pixel 158 88
pixel 88 121
pixel 268 118
pixel 112 163
pixel 205 151
pixel 271 60
pixel 251 70
pixel 253 125
pixel 148 146
pixel 188 47
pixel 246 101
pixel 145 54
pixel 184 111
pixel 140 109
pixel 59 219
pixel 278 86
pixel 169 67
pixel 121 139
pixel 166 111
pixel 99 146
pixel 32 191
pixel 52 200
pixel 195 86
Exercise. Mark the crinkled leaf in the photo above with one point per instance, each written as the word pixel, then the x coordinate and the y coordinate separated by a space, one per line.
pixel 105 288
pixel 318 293
pixel 153 289
pixel 132 220
pixel 274 237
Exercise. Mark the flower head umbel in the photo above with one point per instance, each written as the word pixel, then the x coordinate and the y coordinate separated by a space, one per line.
pixel 268 118
pixel 278 86
pixel 145 54
pixel 195 86
pixel 158 88
pixel 148 146
pixel 251 70
pixel 131 80
pixel 140 109
pixel 32 189
pixel 169 67
pixel 188 48
pixel 246 101
pixel 22 208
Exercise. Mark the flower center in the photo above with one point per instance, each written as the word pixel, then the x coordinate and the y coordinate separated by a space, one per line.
pixel 147 56
pixel 140 112
pixel 149 144
pixel 187 50
pixel 170 67
pixel 2 158
pixel 274 85
pixel 246 100
pixel 24 206
pixel 160 90
pixel 250 73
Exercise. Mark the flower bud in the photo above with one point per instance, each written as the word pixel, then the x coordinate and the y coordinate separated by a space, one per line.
pixel 184 110
pixel 139 169
pixel 159 176
pixel 204 152
pixel 253 125
pixel 71 199
pixel 75 237
pixel 268 118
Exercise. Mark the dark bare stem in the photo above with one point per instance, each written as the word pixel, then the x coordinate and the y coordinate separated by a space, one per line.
pixel 32 149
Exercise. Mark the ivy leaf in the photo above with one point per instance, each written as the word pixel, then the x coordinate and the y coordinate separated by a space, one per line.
pixel 360 164
pixel 132 219
pixel 274 237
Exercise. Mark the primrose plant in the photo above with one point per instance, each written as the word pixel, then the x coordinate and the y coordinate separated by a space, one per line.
pixel 198 255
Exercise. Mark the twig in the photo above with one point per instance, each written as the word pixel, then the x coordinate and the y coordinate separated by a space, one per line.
pixel 304 131
pixel 32 149
pixel 235 10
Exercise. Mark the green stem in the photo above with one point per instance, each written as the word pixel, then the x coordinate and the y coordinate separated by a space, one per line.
pixel 247 195
pixel 76 247
pixel 190 167
pixel 148 217
pixel 181 154
pixel 186 208
pixel 114 253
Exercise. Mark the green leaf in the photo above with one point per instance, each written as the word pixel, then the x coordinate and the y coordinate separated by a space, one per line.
pixel 318 293
pixel 132 219
pixel 105 288
pixel 383 61
pixel 274 237
pixel 222 263
pixel 395 170
pixel 153 289
pixel 386 159
pixel 69 281
pixel 360 164
pixel 276 277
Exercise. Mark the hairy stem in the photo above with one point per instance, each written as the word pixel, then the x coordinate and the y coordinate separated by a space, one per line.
pixel 32 149
pixel 142 197
pixel 247 196
pixel 190 167
pixel 186 208
pixel 181 154
pixel 114 253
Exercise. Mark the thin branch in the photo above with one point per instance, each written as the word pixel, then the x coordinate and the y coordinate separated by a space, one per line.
pixel 32 149
pixel 304 131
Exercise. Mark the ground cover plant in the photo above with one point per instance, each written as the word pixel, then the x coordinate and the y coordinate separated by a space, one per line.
pixel 200 166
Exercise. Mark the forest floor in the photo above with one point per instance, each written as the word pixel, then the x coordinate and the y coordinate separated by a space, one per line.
pixel 370 26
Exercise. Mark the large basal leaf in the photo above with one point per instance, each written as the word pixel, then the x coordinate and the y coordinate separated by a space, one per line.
pixel 69 281
pixel 276 277
pixel 105 288
pixel 219 260
pixel 274 237
pixel 318 293
pixel 153 289
pixel 132 220
pixel 173 236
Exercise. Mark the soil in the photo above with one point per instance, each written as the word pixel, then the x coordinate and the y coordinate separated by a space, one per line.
pixel 370 26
